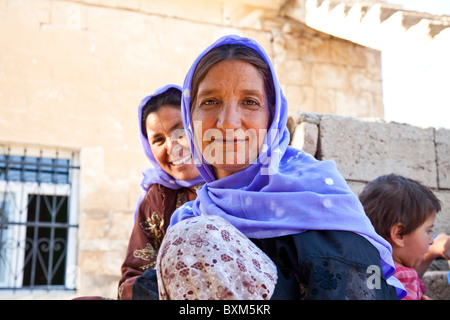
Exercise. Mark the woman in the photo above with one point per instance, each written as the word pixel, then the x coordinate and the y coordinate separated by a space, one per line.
pixel 298 210
pixel 171 181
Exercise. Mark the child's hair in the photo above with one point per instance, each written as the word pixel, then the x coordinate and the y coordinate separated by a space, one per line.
pixel 392 198
pixel 171 96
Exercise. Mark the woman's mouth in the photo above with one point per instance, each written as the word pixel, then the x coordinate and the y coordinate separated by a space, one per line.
pixel 182 160
pixel 228 141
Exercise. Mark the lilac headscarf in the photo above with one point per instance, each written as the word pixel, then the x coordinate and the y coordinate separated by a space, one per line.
pixel 285 191
pixel 156 174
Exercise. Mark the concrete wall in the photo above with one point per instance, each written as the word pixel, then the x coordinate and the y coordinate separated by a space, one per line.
pixel 366 149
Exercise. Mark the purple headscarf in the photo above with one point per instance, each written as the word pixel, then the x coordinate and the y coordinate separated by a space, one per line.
pixel 156 174
pixel 285 191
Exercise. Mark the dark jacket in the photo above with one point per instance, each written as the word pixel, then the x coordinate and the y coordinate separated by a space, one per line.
pixel 327 265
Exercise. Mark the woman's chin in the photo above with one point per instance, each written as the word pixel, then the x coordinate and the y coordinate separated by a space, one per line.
pixel 186 171
pixel 224 170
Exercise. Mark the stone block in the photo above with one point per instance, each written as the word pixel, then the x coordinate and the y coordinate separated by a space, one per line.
pixel 241 15
pixel 299 98
pixel 295 47
pixel 348 54
pixel 319 50
pixel 98 285
pixel 304 116
pixel 443 157
pixel 364 149
pixel 359 81
pixel 294 72
pixel 437 286
pixel 442 222
pixel 330 76
pixel 354 104
pixel 305 137
pixel 325 100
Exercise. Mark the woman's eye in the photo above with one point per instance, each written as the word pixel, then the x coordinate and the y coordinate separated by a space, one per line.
pixel 208 103
pixel 158 141
pixel 251 102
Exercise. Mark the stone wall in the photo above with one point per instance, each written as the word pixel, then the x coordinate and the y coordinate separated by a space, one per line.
pixel 72 73
pixel 364 149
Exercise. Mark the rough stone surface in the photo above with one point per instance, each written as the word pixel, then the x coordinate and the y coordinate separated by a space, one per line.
pixel 443 157
pixel 437 286
pixel 442 222
pixel 364 150
pixel 305 137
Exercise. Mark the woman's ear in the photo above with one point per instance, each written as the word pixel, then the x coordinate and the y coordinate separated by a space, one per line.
pixel 397 236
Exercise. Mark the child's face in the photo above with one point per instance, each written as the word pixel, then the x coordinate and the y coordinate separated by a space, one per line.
pixel 417 243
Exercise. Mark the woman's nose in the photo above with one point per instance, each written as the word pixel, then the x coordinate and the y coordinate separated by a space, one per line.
pixel 170 145
pixel 175 149
pixel 179 136
pixel 229 117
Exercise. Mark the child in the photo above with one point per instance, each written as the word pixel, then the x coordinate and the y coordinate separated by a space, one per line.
pixel 403 212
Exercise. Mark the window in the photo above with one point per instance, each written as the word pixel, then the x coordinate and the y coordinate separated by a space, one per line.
pixel 38 219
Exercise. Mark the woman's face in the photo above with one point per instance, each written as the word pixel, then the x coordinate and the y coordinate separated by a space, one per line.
pixel 230 116
pixel 168 142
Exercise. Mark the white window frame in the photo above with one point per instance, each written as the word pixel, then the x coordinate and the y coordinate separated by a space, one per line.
pixel 20 191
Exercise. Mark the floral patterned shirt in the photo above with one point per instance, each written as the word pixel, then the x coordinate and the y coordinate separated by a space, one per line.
pixel 152 220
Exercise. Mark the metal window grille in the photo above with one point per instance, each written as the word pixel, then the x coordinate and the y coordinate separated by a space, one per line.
pixel 38 219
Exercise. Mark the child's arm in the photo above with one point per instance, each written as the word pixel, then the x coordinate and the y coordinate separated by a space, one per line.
pixel 439 249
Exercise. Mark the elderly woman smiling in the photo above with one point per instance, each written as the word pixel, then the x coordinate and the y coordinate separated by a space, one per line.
pixel 170 181
pixel 271 221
